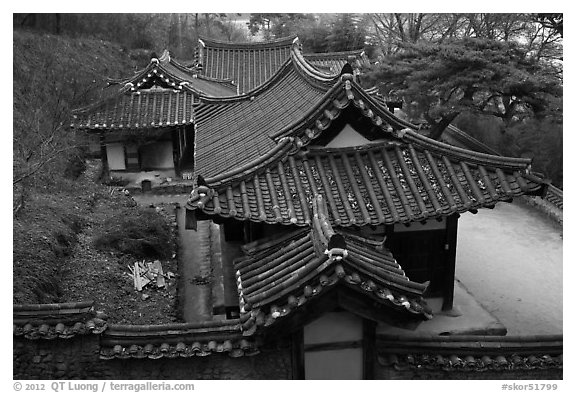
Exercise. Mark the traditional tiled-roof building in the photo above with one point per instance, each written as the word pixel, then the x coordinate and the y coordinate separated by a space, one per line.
pixel 148 124
pixel 336 217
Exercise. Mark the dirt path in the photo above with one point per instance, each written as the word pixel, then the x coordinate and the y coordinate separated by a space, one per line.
pixel 510 259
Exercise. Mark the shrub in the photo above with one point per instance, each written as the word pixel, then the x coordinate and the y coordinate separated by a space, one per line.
pixel 142 232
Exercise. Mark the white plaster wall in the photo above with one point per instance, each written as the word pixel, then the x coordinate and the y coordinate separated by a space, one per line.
pixel 346 364
pixel 348 137
pixel 333 327
pixel 342 363
pixel 116 158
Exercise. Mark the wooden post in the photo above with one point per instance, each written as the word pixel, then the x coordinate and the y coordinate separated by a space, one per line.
pixel 369 347
pixel 103 156
pixel 298 369
pixel 176 150
pixel 450 252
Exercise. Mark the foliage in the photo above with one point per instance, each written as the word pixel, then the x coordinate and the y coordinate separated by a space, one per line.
pixel 440 81
pixel 277 25
pixel 533 138
pixel 316 32
pixel 532 32
pixel 141 232
pixel 153 32
pixel 554 22
pixel 52 75
pixel 346 33
pixel 540 139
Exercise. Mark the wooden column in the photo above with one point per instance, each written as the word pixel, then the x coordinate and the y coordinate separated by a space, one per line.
pixel 103 156
pixel 450 248
pixel 176 149
pixel 369 348
pixel 298 354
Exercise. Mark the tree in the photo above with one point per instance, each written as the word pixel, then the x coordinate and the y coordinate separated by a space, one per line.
pixel 347 33
pixel 317 33
pixel 554 22
pixel 277 25
pixel 440 81
pixel 389 30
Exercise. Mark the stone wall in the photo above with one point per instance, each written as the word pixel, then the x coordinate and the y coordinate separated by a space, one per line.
pixel 78 358
pixel 72 358
pixel 382 372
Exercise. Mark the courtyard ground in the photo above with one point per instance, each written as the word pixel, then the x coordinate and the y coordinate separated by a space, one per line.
pixel 510 259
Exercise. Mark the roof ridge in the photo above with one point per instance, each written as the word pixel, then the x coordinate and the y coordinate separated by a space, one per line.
pixel 209 78
pixel 202 40
pixel 175 328
pixel 334 54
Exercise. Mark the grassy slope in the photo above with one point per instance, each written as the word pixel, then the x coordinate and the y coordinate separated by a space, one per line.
pixel 53 255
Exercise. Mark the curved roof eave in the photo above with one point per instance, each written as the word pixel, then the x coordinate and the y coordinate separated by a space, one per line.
pixel 378 114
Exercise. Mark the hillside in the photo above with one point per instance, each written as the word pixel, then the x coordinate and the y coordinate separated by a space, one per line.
pixel 61 210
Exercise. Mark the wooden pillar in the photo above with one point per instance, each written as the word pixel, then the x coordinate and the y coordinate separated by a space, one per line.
pixel 298 354
pixel 369 348
pixel 176 150
pixel 450 249
pixel 103 156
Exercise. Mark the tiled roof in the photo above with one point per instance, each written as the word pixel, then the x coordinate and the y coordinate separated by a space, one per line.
pixel 175 340
pixel 161 95
pixel 279 276
pixel 168 72
pixel 58 320
pixel 140 110
pixel 248 64
pixel 470 353
pixel 233 131
pixel 405 177
pixel 334 61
